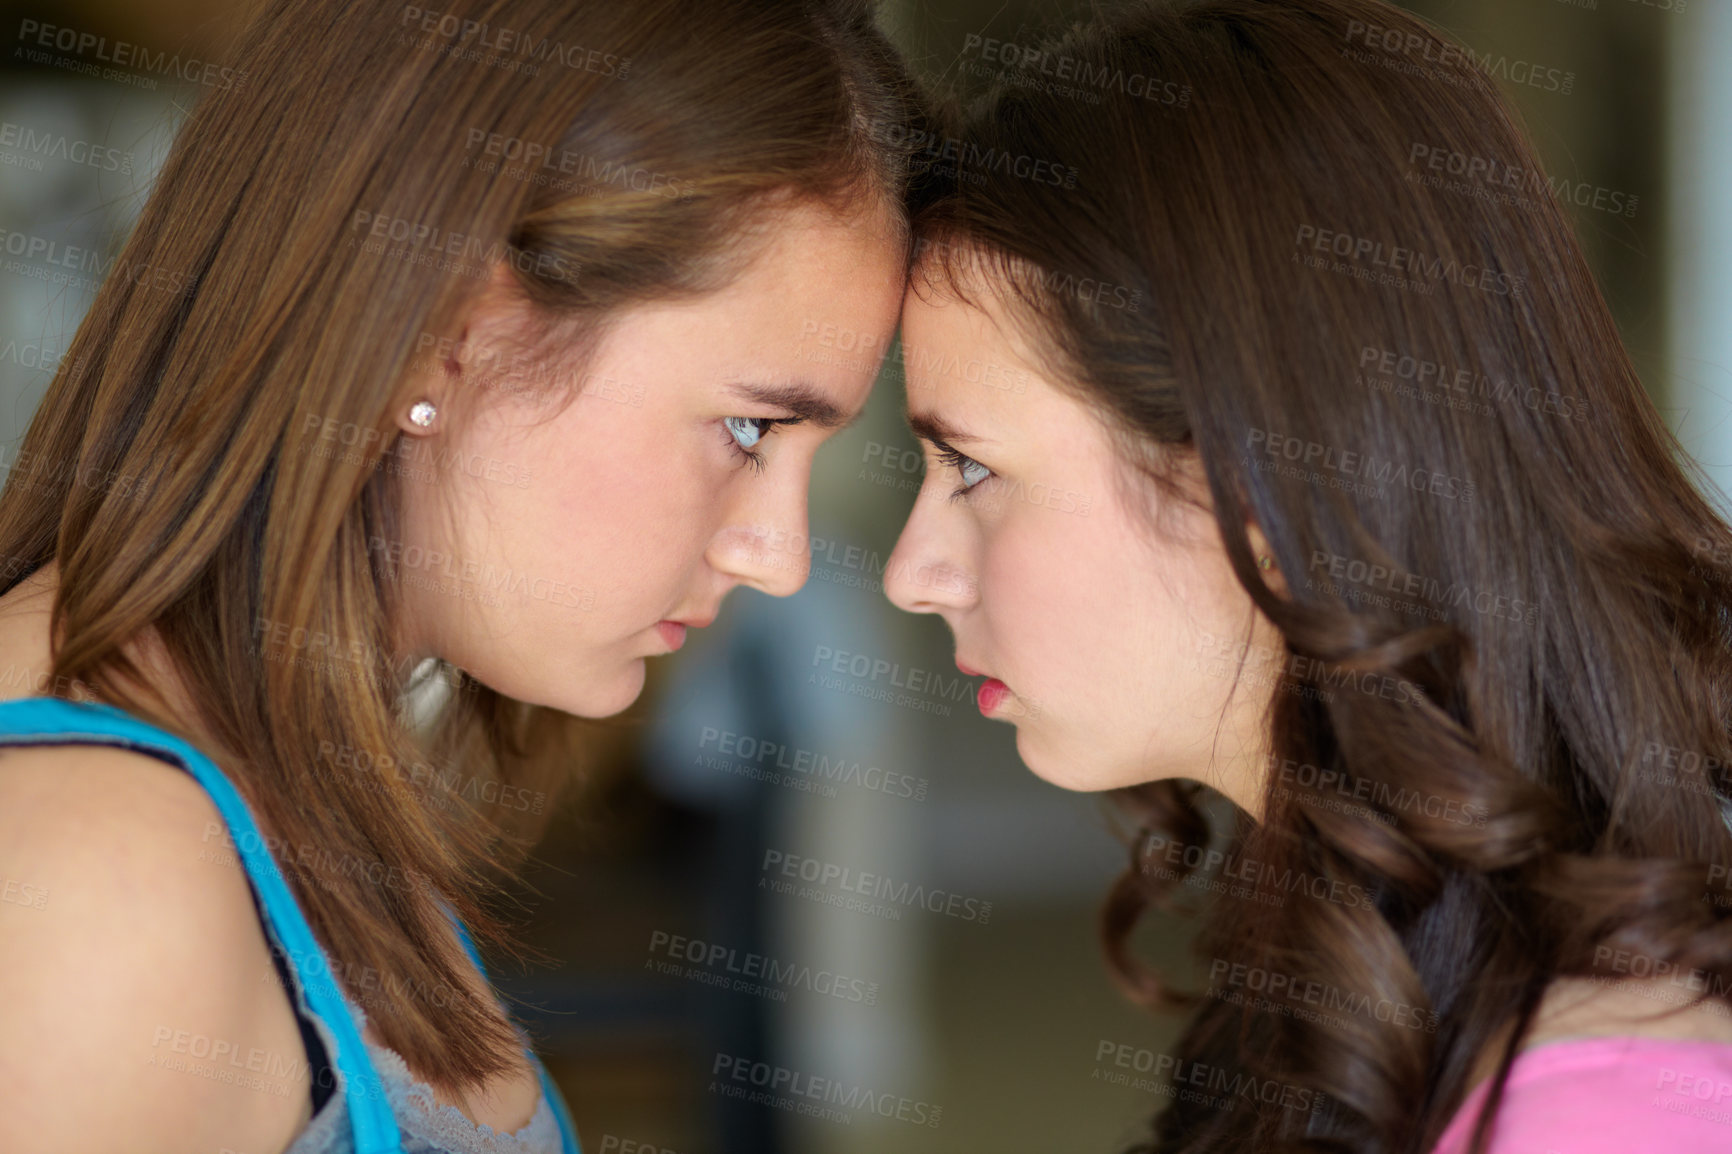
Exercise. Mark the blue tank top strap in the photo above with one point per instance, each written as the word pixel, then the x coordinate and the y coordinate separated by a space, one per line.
pixel 56 721
pixel 555 1100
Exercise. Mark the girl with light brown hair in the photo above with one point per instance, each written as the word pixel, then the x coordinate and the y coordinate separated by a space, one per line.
pixel 475 374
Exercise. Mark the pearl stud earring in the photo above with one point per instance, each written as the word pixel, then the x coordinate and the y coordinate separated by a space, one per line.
pixel 423 413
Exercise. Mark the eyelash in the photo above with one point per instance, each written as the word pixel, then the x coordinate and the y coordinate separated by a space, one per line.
pixel 957 461
pixel 755 457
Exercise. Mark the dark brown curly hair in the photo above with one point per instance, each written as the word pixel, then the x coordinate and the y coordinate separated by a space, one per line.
pixel 1309 242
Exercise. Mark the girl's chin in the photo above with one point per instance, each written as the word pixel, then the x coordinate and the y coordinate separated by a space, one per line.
pixel 602 697
pixel 1072 766
pixel 1051 765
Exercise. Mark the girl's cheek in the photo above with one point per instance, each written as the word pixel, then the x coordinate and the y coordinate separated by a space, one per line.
pixel 1024 600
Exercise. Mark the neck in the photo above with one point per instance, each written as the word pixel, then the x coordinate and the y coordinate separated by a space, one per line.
pixel 26 612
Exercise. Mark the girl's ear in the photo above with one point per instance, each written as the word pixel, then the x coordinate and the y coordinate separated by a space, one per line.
pixel 1270 571
pixel 477 358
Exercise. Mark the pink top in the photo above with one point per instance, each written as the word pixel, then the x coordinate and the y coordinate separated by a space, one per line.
pixel 1612 1095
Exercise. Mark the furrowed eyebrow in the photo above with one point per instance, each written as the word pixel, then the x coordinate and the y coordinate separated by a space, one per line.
pixel 933 429
pixel 800 399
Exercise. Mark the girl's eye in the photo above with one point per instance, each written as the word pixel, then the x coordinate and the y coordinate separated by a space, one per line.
pixel 748 431
pixel 744 433
pixel 971 471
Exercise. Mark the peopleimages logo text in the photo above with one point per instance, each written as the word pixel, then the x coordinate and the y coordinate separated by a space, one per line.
pixel 829 875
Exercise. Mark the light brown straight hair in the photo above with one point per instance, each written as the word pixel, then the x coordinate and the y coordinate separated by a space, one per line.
pixel 197 398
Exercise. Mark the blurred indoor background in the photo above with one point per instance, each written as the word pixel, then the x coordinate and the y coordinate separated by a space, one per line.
pixel 995 1019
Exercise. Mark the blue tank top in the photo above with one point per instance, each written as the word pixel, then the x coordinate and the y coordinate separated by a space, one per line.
pixel 371 1104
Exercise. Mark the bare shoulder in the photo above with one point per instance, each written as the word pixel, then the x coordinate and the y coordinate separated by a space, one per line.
pixel 1576 1007
pixel 99 813
pixel 95 772
pixel 1641 1006
pixel 142 1003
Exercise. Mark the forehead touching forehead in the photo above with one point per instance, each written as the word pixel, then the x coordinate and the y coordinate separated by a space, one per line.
pixel 999 291
pixel 972 332
pixel 982 351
